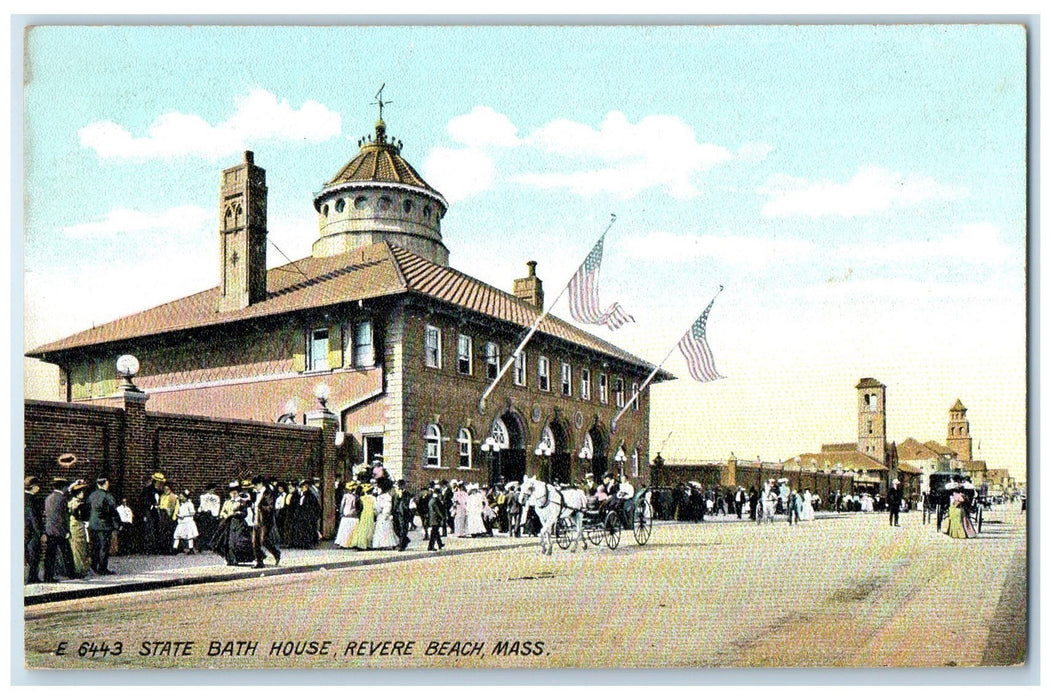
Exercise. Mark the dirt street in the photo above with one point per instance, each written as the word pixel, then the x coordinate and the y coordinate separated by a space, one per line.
pixel 843 592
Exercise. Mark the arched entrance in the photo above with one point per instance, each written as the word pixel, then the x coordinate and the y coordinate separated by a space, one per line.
pixel 511 460
pixel 599 445
pixel 560 456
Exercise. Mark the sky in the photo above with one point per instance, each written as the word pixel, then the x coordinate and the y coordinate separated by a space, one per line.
pixel 858 191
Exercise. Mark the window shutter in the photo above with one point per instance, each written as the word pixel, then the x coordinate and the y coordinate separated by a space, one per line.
pixel 299 351
pixel 335 346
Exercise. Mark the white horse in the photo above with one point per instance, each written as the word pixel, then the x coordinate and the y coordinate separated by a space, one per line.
pixel 551 505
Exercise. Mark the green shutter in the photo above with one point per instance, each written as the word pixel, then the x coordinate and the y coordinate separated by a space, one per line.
pixel 299 351
pixel 335 346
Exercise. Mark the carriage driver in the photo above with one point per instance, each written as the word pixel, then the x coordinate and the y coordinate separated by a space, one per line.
pixel 624 498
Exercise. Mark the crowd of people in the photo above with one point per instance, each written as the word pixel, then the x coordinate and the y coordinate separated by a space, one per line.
pixel 77 527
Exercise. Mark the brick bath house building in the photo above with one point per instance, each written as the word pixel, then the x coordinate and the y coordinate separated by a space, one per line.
pixel 405 344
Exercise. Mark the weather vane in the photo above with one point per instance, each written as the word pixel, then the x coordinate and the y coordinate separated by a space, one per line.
pixel 380 101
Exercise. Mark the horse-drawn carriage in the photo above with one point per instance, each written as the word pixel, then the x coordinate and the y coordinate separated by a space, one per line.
pixel 941 487
pixel 567 516
pixel 604 522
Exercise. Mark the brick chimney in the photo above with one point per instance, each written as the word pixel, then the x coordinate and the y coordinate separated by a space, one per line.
pixel 242 235
pixel 530 289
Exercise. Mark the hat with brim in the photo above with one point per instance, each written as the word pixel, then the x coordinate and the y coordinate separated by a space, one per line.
pixel 78 485
pixel 157 476
pixel 246 483
pixel 59 482
pixel 67 460
pixel 31 481
pixel 233 485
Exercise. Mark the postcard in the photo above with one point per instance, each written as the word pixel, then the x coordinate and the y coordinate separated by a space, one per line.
pixel 525 347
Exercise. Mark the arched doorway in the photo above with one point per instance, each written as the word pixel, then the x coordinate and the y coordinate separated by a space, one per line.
pixel 560 456
pixel 507 432
pixel 599 446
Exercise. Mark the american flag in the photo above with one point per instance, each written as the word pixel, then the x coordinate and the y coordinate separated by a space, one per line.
pixel 583 294
pixel 694 347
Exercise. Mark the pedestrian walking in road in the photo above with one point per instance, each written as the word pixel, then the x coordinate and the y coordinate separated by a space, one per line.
pixel 894 498
pixel 33 530
pixel 103 521
pixel 152 539
pixel 264 523
pixel 435 519
pixel 349 510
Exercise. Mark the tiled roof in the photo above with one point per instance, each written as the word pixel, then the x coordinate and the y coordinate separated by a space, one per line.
pixel 958 406
pixel 371 272
pixel 939 448
pixel 379 160
pixel 869 383
pixel 911 448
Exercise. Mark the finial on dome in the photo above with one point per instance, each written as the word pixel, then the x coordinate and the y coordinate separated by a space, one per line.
pixel 381 127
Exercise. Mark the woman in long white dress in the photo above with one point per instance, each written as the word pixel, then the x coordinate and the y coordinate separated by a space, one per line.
pixel 348 510
pixel 475 506
pixel 384 537
pixel 460 511
pixel 808 506
pixel 185 526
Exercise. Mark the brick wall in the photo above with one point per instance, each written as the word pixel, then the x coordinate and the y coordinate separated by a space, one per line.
pixel 191 451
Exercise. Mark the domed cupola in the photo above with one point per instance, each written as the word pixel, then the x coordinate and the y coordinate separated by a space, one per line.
pixel 377 197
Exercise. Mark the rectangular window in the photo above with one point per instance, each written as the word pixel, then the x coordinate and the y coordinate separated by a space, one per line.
pixel 603 388
pixel 520 369
pixel 618 392
pixel 432 347
pixel 492 360
pixel 543 373
pixel 317 350
pixel 585 384
pixel 463 354
pixel 364 353
pixel 635 401
pixel 567 379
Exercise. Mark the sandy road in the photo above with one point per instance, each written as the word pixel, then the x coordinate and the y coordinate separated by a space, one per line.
pixel 844 592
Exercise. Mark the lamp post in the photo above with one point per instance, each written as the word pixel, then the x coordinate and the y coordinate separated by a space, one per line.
pixel 321 393
pixel 620 458
pixel 491 450
pixel 128 367
pixel 543 452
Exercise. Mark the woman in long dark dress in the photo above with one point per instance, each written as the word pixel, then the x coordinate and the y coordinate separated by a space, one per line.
pixel 303 529
pixel 233 539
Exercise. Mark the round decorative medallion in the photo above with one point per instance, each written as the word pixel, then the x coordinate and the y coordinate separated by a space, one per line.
pixel 578 419
pixel 536 413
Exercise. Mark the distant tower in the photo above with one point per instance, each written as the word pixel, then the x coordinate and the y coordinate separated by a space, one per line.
pixel 959 438
pixel 872 419
pixel 242 235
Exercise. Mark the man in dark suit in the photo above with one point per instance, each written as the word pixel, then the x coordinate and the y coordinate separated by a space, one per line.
pixel 402 514
pixel 894 498
pixel 34 529
pixel 263 529
pixel 102 523
pixel 436 519
pixel 56 531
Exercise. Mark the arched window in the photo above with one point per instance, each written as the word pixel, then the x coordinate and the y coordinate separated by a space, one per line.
pixel 499 434
pixel 588 449
pixel 463 440
pixel 340 205
pixel 547 438
pixel 433 446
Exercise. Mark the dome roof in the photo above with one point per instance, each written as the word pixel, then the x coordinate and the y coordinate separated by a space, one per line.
pixel 379 162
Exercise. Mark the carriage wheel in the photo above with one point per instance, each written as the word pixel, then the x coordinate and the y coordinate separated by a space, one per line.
pixel 612 530
pixel 564 534
pixel 643 524
pixel 594 534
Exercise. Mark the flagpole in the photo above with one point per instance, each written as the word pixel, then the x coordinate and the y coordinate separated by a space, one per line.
pixel 533 329
pixel 613 423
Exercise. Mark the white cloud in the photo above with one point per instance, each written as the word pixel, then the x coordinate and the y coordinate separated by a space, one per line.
pixel 871 190
pixel 459 173
pixel 978 243
pixel 742 251
pixel 483 126
pixel 658 151
pixel 121 221
pixel 259 116
pixel 754 152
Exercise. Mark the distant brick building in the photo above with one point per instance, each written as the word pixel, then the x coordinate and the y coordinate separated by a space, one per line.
pixel 406 344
